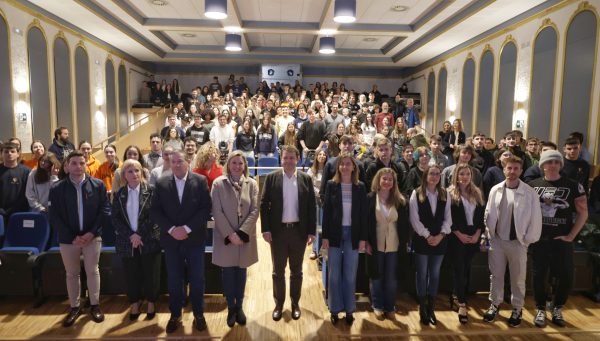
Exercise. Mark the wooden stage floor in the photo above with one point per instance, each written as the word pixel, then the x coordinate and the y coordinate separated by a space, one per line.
pixel 18 321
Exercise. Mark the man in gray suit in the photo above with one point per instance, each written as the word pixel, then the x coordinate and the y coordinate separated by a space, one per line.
pixel 288 222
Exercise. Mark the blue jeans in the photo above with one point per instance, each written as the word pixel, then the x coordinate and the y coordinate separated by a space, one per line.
pixel 343 263
pixel 176 259
pixel 234 285
pixel 428 274
pixel 383 289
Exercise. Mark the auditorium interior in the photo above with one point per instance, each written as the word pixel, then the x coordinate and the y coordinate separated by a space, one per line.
pixel 497 65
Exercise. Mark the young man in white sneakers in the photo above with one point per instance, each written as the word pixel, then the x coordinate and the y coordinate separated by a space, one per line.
pixel 513 219
pixel 560 199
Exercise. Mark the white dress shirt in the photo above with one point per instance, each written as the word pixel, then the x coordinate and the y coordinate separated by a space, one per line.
pixel 469 209
pixel 180 184
pixel 133 206
pixel 291 208
pixel 415 221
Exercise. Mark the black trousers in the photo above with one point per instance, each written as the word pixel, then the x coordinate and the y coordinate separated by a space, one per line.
pixel 289 245
pixel 142 274
pixel 555 256
pixel 460 256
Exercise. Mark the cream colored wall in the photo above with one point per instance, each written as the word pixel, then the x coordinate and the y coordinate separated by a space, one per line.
pixel 524 34
pixel 19 17
pixel 140 135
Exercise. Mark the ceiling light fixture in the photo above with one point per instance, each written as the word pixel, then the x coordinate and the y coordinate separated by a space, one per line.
pixel 344 11
pixel 327 45
pixel 159 2
pixel 370 39
pixel 188 35
pixel 233 42
pixel 215 9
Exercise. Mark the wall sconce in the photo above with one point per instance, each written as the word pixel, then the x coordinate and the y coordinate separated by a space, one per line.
pixel 99 116
pixel 99 97
pixel 451 119
pixel 452 104
pixel 522 94
pixel 21 85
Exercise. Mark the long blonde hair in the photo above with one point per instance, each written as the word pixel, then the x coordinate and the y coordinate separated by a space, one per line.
pixel 472 192
pixel 204 152
pixel 422 190
pixel 396 198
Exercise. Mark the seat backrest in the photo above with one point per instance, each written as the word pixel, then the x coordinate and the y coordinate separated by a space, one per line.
pixel 1 226
pixel 251 163
pixel 27 229
pixel 108 234
pixel 267 161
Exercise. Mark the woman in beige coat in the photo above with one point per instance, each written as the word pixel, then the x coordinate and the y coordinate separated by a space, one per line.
pixel 235 210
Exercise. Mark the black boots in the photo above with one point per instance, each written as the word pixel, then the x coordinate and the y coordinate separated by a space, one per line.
pixel 426 310
pixel 423 311
pixel 430 310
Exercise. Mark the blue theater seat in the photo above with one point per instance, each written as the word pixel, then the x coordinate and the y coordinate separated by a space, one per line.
pixel 26 237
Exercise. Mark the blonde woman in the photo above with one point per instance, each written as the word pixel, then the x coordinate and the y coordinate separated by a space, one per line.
pixel 467 211
pixel 235 209
pixel 387 211
pixel 137 238
pixel 206 163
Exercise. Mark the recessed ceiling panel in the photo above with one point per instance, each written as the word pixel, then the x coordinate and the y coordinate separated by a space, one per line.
pixel 183 9
pixel 391 11
pixel 279 40
pixel 196 38
pixel 362 41
pixel 281 10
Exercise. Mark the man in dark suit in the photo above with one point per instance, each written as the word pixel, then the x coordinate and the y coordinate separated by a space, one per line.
pixel 288 221
pixel 181 206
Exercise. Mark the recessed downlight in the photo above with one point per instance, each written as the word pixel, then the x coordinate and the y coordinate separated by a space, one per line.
pixel 400 8
pixel 159 2
pixel 188 35
pixel 370 39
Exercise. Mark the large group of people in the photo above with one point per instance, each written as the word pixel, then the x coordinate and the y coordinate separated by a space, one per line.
pixel 375 183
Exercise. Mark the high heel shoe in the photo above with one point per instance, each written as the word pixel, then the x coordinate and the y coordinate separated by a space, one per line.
pixel 462 313
pixel 334 318
pixel 134 316
pixel 453 301
pixel 151 311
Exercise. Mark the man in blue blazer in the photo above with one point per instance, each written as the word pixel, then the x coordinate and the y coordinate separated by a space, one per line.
pixel 181 206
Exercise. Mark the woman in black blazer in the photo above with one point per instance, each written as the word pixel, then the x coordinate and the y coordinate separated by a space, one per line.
pixel 387 231
pixel 467 209
pixel 344 234
pixel 456 137
pixel 137 239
